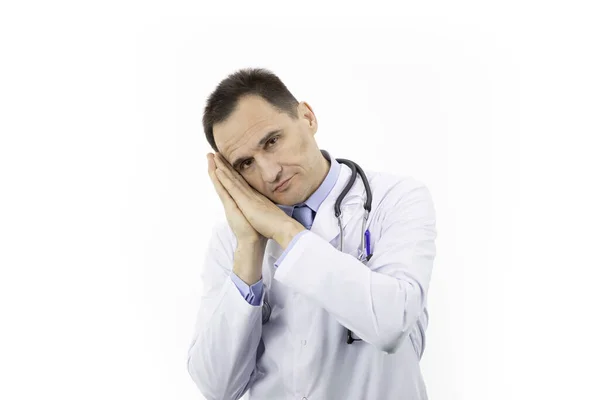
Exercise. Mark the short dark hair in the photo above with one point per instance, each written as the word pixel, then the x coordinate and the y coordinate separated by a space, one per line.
pixel 248 81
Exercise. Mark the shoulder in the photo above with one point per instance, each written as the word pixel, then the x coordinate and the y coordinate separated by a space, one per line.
pixel 392 187
pixel 219 252
pixel 395 193
pixel 223 236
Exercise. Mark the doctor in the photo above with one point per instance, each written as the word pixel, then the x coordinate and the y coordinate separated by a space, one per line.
pixel 284 313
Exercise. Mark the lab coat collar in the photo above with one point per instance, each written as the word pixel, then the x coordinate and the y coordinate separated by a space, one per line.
pixel 325 223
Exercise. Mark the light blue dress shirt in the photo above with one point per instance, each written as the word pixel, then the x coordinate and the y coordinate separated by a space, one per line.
pixel 253 294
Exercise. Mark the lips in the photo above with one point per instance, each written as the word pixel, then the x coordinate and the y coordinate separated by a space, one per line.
pixel 282 184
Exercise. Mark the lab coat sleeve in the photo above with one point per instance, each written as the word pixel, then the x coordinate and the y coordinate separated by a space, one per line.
pixel 222 354
pixel 382 301
pixel 288 248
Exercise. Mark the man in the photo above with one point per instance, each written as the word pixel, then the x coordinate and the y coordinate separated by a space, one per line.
pixel 281 243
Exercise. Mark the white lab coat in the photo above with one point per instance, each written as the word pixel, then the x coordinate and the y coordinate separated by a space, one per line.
pixel 315 294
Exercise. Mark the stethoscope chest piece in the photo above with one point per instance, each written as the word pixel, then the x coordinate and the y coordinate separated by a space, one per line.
pixel 266 311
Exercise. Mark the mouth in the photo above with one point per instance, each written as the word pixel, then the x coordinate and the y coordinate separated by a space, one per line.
pixel 283 185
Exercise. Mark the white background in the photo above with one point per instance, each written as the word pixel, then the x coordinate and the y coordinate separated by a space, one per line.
pixel 105 203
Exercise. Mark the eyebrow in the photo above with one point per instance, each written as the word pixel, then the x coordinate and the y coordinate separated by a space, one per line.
pixel 260 144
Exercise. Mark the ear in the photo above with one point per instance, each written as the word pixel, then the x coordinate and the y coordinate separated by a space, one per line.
pixel 306 113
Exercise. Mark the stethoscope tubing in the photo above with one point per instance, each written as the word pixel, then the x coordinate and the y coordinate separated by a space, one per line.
pixel 355 169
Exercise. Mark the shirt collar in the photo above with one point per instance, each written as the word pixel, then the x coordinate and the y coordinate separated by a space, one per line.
pixel 316 199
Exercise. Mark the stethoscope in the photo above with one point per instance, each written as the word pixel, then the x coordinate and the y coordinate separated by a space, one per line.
pixel 364 253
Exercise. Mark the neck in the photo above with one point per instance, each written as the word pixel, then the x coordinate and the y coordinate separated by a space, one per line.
pixel 323 169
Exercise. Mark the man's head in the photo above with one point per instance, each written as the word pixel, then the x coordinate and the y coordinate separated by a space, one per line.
pixel 260 128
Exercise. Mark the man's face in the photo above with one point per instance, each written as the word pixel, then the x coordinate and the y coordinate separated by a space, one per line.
pixel 268 147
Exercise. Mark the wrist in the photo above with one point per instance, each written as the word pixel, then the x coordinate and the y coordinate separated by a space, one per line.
pixel 288 230
pixel 251 244
pixel 248 260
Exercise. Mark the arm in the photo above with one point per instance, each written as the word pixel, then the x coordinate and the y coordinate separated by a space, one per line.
pixel 222 355
pixel 247 271
pixel 380 302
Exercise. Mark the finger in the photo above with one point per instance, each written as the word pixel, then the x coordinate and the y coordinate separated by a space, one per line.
pixel 230 172
pixel 221 191
pixel 210 158
pixel 224 165
pixel 227 201
pixel 231 179
pixel 226 181
pixel 237 193
pixel 223 194
pixel 236 179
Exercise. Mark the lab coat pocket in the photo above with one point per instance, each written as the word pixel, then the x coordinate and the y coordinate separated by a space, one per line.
pixel 357 338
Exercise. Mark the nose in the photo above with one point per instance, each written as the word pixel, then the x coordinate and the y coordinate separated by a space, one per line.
pixel 270 169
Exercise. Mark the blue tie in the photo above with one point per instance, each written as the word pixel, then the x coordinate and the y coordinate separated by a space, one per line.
pixel 304 215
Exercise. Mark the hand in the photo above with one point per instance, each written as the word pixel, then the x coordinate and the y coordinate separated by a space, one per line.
pixel 264 216
pixel 243 230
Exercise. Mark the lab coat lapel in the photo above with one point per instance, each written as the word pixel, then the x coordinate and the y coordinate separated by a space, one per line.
pixel 326 224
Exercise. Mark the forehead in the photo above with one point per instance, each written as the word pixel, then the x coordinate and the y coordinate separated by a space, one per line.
pixel 253 117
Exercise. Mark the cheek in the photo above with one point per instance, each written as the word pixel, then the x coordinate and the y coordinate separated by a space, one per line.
pixel 257 184
pixel 252 180
pixel 297 149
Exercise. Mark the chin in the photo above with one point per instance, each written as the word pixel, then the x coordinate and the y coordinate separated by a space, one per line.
pixel 287 199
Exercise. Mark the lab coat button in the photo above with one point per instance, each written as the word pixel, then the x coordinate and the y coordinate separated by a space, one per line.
pixel 304 344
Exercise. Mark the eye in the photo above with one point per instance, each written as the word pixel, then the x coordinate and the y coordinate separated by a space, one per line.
pixel 273 140
pixel 245 164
